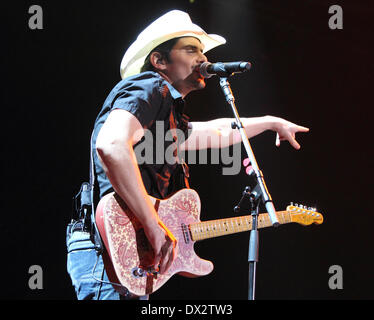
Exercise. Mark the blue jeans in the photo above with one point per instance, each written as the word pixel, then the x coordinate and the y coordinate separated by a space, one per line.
pixel 85 276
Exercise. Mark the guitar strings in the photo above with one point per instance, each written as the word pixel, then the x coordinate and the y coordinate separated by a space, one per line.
pixel 207 230
pixel 221 225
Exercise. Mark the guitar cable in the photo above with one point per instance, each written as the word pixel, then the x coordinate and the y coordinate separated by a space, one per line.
pixel 104 281
pixel 127 292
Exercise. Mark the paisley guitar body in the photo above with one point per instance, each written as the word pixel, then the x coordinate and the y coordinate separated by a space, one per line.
pixel 128 257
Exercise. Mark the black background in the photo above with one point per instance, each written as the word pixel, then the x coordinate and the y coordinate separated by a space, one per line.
pixel 56 79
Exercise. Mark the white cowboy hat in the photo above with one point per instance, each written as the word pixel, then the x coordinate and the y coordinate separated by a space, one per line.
pixel 171 25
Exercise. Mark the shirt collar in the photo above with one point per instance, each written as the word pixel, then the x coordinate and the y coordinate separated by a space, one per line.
pixel 174 92
pixel 177 97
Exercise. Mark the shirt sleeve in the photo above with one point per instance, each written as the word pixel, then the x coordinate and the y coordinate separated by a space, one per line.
pixel 141 97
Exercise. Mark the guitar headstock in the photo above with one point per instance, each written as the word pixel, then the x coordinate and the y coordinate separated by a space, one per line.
pixel 303 215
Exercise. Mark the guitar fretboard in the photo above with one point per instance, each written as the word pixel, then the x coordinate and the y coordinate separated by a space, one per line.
pixel 221 227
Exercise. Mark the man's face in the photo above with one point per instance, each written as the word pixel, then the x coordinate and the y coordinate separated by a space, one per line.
pixel 183 70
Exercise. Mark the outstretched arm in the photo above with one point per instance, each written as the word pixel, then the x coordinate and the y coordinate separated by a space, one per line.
pixel 219 134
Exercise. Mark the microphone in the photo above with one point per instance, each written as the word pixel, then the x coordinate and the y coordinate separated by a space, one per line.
pixel 223 69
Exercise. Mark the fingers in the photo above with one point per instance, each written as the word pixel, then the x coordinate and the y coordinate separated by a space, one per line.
pixel 169 234
pixel 167 253
pixel 249 170
pixel 289 135
pixel 291 139
pixel 157 261
pixel 294 143
pixel 277 140
pixel 246 162
pixel 302 129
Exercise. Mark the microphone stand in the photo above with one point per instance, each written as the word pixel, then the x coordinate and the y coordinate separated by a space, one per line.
pixel 258 193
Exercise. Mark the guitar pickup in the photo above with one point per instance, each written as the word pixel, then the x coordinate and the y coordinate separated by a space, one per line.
pixel 186 233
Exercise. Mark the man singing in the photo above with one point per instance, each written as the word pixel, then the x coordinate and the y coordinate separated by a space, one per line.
pixel 158 71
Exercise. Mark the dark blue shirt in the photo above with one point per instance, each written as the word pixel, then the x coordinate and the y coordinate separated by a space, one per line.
pixel 157 105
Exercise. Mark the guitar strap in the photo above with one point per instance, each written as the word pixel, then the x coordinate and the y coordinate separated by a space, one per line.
pixel 94 231
pixel 186 172
pixel 182 120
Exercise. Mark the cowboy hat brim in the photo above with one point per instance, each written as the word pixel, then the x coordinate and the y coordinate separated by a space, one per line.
pixel 173 24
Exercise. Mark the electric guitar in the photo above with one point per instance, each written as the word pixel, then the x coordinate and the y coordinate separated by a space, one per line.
pixel 128 256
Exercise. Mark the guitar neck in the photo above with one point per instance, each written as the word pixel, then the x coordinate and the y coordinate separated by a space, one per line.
pixel 221 227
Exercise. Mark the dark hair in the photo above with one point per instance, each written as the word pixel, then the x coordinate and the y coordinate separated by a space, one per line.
pixel 164 49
